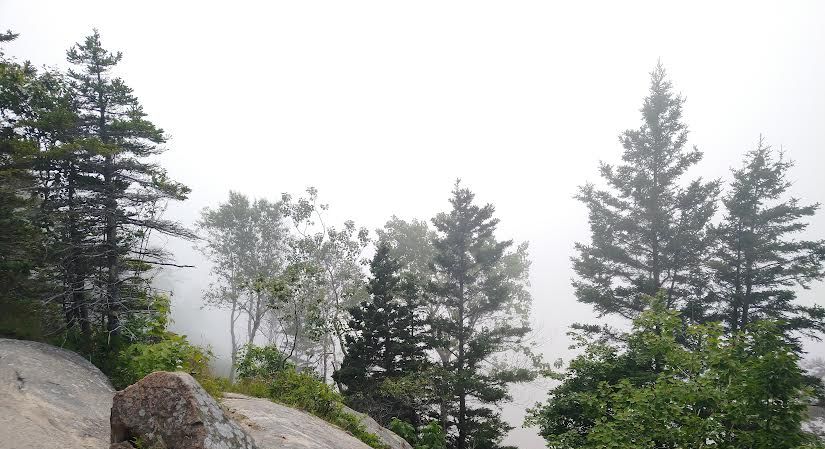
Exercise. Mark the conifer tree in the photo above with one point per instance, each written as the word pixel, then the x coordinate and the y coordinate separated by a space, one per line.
pixel 18 239
pixel 649 226
pixel 131 191
pixel 386 341
pixel 758 260
pixel 39 169
pixel 480 284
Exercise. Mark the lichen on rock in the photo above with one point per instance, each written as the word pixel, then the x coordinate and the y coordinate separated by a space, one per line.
pixel 171 410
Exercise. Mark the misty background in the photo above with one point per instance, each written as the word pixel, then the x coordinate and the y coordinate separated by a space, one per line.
pixel 381 105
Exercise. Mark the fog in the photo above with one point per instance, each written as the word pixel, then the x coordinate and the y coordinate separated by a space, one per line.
pixel 382 105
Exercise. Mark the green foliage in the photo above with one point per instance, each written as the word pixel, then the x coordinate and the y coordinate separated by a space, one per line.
pixel 759 257
pixel 129 190
pixel 26 319
pixel 264 372
pixel 172 353
pixel 649 226
pixel 260 362
pixel 215 386
pixel 335 253
pixel 304 390
pixel 404 429
pixel 386 341
pixel 680 387
pixel 429 436
pixel 247 243
pixel 24 99
pixel 481 287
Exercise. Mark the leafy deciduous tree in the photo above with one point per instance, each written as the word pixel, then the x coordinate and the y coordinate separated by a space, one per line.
pixel 742 391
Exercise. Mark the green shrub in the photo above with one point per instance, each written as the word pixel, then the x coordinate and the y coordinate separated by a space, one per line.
pixel 173 353
pixel 21 319
pixel 265 373
pixel 304 390
pixel 260 362
pixel 215 386
pixel 405 430
pixel 430 436
pixel 353 425
pixel 251 387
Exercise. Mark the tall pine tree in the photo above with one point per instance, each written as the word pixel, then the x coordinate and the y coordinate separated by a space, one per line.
pixel 386 342
pixel 132 190
pixel 481 286
pixel 648 227
pixel 759 260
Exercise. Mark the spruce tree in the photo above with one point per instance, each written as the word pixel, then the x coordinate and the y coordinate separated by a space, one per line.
pixel 480 285
pixel 386 342
pixel 758 260
pixel 648 226
pixel 131 191
pixel 39 167
pixel 20 234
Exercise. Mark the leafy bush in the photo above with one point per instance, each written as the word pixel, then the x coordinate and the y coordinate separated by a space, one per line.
pixel 405 430
pixel 306 391
pixel 430 436
pixel 215 386
pixel 260 362
pixel 677 385
pixel 264 372
pixel 173 353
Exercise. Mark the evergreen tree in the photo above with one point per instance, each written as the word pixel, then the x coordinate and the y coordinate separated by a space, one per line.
pixel 131 191
pixel 386 341
pixel 35 141
pixel 20 233
pixel 480 285
pixel 648 230
pixel 758 261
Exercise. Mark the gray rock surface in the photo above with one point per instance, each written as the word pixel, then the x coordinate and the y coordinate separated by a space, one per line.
pixel 389 437
pixel 172 410
pixel 51 398
pixel 276 426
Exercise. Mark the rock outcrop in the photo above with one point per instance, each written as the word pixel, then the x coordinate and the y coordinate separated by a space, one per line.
pixel 51 398
pixel 277 426
pixel 171 410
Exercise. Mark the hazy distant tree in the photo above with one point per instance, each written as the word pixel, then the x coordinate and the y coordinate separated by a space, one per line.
pixel 481 284
pixel 248 245
pixel 338 255
pixel 759 260
pixel 648 228
pixel 132 190
pixel 410 242
pixel 386 340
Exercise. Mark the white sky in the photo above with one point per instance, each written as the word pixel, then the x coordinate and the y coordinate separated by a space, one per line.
pixel 381 105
